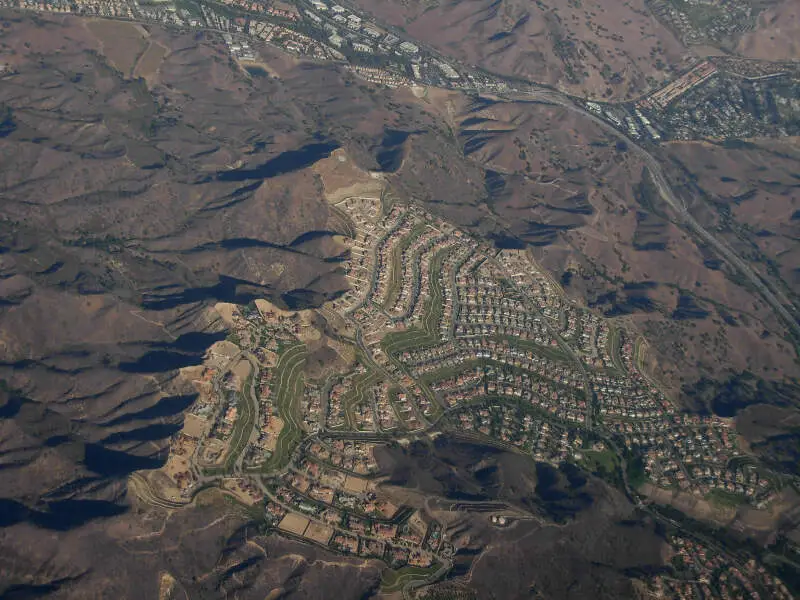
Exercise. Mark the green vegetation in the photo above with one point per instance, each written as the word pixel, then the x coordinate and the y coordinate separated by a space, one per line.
pixel 414 337
pixel 553 353
pixel 604 464
pixel 725 499
pixel 243 426
pixel 635 470
pixel 358 393
pixel 411 338
pixel 393 393
pixel 604 461
pixel 394 580
pixel 396 273
pixel 450 372
pixel 289 388
pixel 190 7
pixel 613 347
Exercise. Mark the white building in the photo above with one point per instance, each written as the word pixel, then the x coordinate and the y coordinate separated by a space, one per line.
pixel 354 22
pixel 448 71
pixel 372 31
pixel 408 48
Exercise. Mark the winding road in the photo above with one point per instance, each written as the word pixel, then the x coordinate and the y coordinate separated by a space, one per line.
pixel 776 299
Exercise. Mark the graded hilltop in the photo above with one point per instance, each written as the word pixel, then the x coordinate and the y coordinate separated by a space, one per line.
pixel 163 200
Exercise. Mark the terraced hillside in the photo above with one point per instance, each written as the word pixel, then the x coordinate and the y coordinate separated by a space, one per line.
pixel 451 338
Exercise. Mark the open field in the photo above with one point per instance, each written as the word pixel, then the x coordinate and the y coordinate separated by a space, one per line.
pixel 123 43
pixel 725 499
pixel 194 426
pixel 319 533
pixel 150 61
pixel 355 485
pixel 294 523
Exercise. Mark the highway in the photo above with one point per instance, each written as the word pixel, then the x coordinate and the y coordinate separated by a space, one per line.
pixel 776 299
pixel 773 296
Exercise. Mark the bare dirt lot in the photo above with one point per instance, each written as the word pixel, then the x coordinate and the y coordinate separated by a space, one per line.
pixel 355 485
pixel 194 426
pixel 319 533
pixel 294 523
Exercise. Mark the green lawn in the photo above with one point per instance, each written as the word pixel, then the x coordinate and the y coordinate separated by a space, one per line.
pixel 413 337
pixel 613 346
pixel 450 372
pixel 635 471
pixel 604 464
pixel 725 499
pixel 428 336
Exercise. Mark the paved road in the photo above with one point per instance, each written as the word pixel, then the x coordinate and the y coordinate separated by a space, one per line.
pixel 562 344
pixel 389 377
pixel 416 583
pixel 249 397
pixel 771 295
